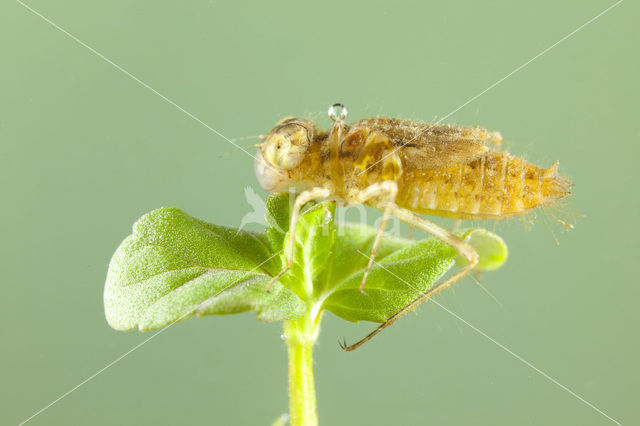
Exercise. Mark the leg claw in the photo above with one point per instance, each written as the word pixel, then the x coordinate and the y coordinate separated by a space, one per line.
pixel 343 344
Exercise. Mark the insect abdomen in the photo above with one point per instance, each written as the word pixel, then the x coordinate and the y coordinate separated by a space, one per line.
pixel 493 186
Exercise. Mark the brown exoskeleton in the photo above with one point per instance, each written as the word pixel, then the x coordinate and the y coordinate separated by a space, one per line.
pixel 403 168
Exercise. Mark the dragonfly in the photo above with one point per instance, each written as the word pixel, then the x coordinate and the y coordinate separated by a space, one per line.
pixel 406 169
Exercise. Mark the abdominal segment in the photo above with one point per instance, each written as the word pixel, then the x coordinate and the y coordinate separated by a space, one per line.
pixel 493 186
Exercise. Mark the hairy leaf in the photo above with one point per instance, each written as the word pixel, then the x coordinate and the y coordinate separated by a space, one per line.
pixel 173 263
pixel 351 242
pixel 279 303
pixel 400 277
pixel 174 266
pixel 279 208
pixel 314 241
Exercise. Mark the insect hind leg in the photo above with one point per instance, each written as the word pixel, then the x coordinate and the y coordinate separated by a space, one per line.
pixel 462 247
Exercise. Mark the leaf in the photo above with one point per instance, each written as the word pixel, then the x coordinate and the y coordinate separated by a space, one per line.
pixel 351 240
pixel 329 263
pixel 315 233
pixel 279 208
pixel 398 278
pixel 325 255
pixel 491 248
pixel 173 263
pixel 174 266
pixel 280 303
pixel 392 283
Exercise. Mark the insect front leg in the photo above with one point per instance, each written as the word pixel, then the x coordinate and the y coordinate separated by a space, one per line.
pixel 462 247
pixel 385 192
pixel 302 199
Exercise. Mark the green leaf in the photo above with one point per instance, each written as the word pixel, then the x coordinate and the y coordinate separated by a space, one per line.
pixel 280 303
pixel 401 276
pixel 491 248
pixel 173 263
pixel 393 282
pixel 279 208
pixel 329 263
pixel 315 234
pixel 351 240
pixel 174 266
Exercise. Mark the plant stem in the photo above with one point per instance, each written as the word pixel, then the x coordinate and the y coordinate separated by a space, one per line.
pixel 301 335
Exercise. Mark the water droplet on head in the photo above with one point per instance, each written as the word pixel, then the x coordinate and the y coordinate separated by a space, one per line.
pixel 337 112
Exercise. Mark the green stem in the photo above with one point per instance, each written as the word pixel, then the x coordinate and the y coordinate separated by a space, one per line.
pixel 301 335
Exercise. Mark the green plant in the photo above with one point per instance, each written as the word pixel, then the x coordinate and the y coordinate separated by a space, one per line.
pixel 174 266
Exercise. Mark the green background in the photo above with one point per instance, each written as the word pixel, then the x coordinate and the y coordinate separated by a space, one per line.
pixel 85 150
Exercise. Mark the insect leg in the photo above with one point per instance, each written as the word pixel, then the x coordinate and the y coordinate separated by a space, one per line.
pixel 459 245
pixel 386 192
pixel 303 198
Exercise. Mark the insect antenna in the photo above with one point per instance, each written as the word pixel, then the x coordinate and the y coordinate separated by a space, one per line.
pixel 244 138
pixel 242 147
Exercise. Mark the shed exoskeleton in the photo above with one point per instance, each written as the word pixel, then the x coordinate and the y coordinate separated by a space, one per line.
pixel 405 169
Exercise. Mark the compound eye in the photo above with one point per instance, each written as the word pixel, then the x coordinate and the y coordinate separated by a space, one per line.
pixel 285 148
pixel 276 149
